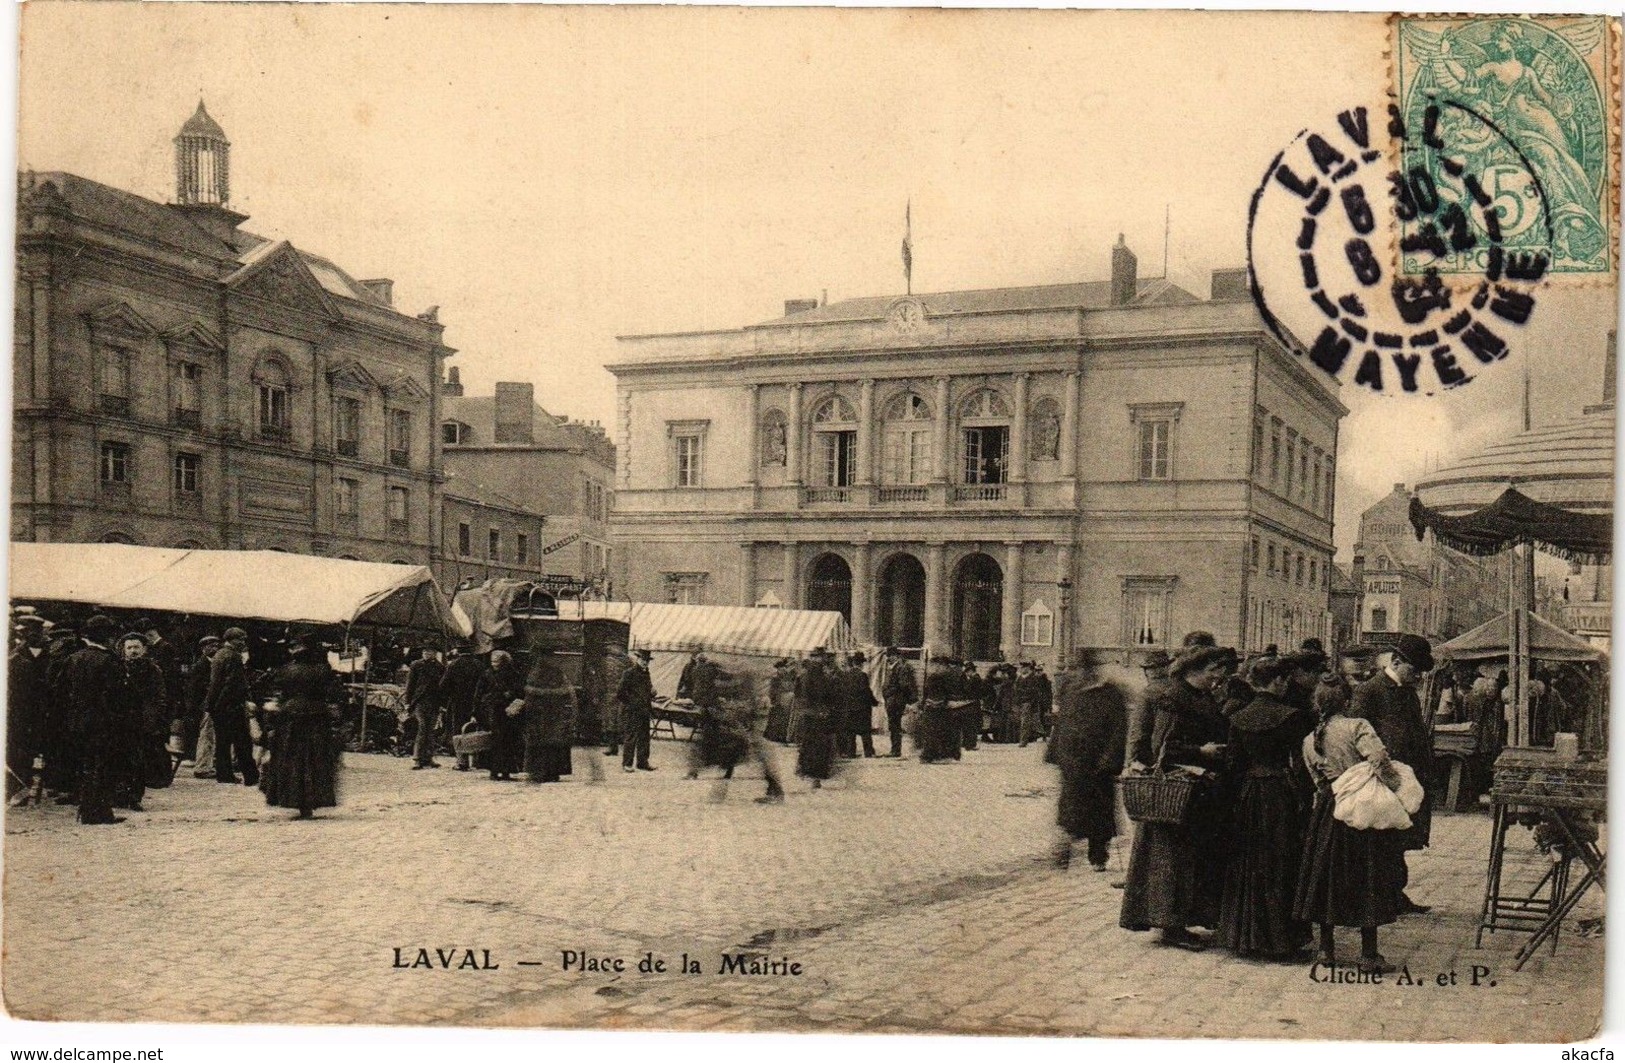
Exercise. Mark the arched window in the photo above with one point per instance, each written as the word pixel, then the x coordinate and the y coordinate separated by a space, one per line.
pixel 1044 431
pixel 907 439
pixel 272 382
pixel 835 442
pixel 775 438
pixel 984 426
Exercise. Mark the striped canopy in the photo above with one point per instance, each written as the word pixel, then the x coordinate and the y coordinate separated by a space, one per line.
pixel 746 631
pixel 1569 464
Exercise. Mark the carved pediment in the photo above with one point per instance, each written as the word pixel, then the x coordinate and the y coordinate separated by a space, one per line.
pixel 279 275
pixel 193 336
pixel 119 320
pixel 406 388
pixel 352 375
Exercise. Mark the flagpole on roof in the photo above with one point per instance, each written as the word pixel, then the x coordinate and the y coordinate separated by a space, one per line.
pixel 908 247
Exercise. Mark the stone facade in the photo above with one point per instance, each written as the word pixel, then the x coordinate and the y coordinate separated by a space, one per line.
pixel 486 535
pixel 996 473
pixel 1418 586
pixel 179 381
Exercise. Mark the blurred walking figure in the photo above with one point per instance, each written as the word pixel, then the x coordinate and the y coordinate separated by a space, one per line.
pixel 1088 748
pixel 423 697
pixel 858 703
pixel 550 721
pixel 197 734
pixel 936 732
pixel 821 693
pixel 781 698
pixel 635 696
pixel 302 773
pixel 899 692
pixel 459 697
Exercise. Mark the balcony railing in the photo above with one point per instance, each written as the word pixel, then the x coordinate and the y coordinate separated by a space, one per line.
pixel 816 495
pixel 182 418
pixel 276 433
pixel 348 448
pixel 910 493
pixel 116 491
pixel 116 405
pixel 979 493
pixel 188 502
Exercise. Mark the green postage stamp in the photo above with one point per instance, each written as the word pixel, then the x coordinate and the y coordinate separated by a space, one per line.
pixel 1528 107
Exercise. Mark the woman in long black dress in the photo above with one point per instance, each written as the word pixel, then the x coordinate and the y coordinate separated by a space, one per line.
pixel 550 722
pixel 936 729
pixel 1348 877
pixel 1263 759
pixel 1176 871
pixel 500 686
pixel 820 691
pixel 303 771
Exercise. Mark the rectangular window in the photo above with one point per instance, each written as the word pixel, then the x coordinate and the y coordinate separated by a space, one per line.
pixel 690 461
pixel 1037 628
pixel 115 463
pixel 987 455
pixel 1275 453
pixel 188 393
pixel 398 510
pixel 347 426
pixel 1291 459
pixel 1271 569
pixel 273 411
pixel 685 588
pixel 1156 438
pixel 908 455
pixel 400 437
pixel 521 548
pixel 1145 611
pixel 1314 573
pixel 465 540
pixel 115 391
pixel 1303 473
pixel 186 470
pixel 493 545
pixel 346 497
pixel 838 458
pixel 1258 450
pixel 1314 485
pixel 1253 555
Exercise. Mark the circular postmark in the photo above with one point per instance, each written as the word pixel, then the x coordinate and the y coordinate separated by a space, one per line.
pixel 1392 269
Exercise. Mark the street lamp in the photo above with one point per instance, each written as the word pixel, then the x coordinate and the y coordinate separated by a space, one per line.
pixel 1065 589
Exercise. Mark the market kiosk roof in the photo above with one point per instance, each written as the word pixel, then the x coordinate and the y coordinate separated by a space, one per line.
pixel 249 584
pixel 1489 641
pixel 738 629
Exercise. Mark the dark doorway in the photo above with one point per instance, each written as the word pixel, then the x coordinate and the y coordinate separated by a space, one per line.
pixel 829 586
pixel 978 608
pixel 900 619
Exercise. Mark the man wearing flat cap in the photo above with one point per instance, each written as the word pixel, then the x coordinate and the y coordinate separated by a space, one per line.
pixel 1389 701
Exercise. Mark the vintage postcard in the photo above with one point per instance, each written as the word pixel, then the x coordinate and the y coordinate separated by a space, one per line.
pixel 1078 524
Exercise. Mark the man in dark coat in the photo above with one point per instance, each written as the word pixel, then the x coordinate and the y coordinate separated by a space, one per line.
pixel 1031 704
pixel 94 686
pixel 1389 701
pixel 459 688
pixel 26 699
pixel 899 691
pixel 58 740
pixel 635 695
pixel 858 703
pixel 194 698
pixel 1087 745
pixel 698 683
pixel 422 695
pixel 162 652
pixel 226 703
pixel 972 692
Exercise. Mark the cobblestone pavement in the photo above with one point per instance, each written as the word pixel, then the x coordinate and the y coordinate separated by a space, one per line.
pixel 915 898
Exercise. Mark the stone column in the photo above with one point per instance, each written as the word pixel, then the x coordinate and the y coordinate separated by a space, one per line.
pixel 1010 622
pixel 753 433
pixel 936 597
pixel 939 448
pixel 792 442
pixel 747 572
pixel 866 436
pixel 791 577
pixel 1018 431
pixel 1069 428
pixel 862 611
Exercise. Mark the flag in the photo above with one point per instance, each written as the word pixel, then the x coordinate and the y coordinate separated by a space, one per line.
pixel 908 247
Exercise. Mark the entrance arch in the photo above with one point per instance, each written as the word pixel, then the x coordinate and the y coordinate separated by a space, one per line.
pixel 900 609
pixel 829 585
pixel 978 608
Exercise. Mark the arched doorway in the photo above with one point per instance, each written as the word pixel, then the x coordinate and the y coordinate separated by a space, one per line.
pixel 978 608
pixel 829 585
pixel 900 610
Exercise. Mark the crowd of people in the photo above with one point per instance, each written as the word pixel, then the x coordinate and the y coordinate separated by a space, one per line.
pixel 1258 861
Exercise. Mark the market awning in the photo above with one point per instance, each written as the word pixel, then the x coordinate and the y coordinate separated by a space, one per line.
pixel 1489 641
pixel 1513 519
pixel 1569 464
pixel 738 629
pixel 248 584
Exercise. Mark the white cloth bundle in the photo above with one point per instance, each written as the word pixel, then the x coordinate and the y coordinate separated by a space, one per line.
pixel 1365 802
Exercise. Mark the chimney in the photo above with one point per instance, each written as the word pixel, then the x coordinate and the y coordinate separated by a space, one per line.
pixel 1230 285
pixel 797 306
pixel 515 407
pixel 1399 489
pixel 383 288
pixel 453 384
pixel 1125 274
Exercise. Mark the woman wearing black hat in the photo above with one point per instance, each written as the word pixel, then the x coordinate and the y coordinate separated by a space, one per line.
pixel 303 771
pixel 1176 871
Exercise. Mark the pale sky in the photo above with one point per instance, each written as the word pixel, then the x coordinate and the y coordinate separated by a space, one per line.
pixel 553 177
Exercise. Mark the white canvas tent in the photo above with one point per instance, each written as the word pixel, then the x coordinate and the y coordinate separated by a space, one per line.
pixel 740 638
pixel 248 584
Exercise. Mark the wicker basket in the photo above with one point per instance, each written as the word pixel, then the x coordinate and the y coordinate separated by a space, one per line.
pixel 472 742
pixel 1157 798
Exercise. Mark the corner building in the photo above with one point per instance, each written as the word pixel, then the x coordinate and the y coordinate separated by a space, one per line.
pixel 999 474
